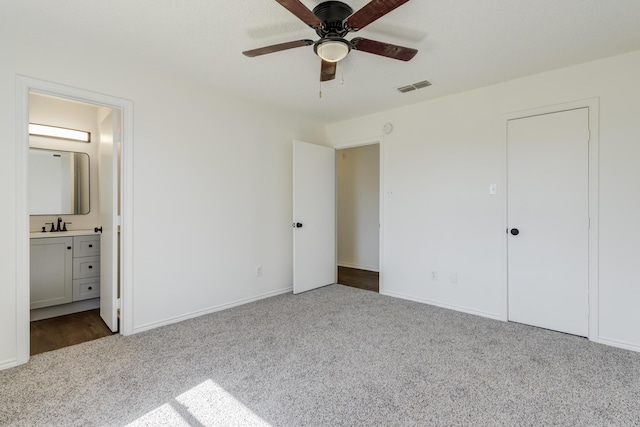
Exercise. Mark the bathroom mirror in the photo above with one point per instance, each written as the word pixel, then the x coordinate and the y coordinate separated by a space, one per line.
pixel 58 182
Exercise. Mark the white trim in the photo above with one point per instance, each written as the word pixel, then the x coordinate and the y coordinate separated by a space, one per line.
pixel 22 223
pixel 210 310
pixel 494 316
pixel 618 343
pixel 382 229
pixel 10 363
pixel 358 267
pixel 24 85
pixel 64 309
pixel 593 105
pixel 360 142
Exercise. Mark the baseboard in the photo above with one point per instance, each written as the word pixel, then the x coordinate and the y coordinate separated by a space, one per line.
pixel 359 267
pixel 6 364
pixel 210 310
pixel 64 309
pixel 442 305
pixel 618 343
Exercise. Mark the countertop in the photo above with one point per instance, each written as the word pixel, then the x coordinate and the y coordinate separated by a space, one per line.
pixel 41 235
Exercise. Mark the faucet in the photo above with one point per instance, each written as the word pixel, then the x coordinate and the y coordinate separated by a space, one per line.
pixel 58 228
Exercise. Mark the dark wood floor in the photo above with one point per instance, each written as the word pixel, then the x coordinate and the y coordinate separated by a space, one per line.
pixel 63 331
pixel 361 279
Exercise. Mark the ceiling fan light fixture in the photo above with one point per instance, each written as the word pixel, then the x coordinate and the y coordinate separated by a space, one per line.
pixel 332 50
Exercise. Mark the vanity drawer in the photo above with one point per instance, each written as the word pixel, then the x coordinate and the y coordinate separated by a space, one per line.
pixel 86 288
pixel 86 267
pixel 86 246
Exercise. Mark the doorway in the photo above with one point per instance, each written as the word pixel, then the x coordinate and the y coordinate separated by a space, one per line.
pixel 552 219
pixel 358 216
pixel 315 261
pixel 121 255
pixel 67 182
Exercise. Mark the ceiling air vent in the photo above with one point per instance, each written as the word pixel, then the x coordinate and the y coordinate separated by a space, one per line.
pixel 414 86
pixel 405 89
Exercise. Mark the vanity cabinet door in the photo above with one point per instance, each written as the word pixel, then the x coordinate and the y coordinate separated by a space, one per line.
pixel 51 271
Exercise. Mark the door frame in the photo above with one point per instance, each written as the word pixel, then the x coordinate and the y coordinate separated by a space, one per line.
pixel 24 85
pixel 593 106
pixel 361 143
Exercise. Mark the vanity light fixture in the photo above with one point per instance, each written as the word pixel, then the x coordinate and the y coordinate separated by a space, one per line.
pixel 58 132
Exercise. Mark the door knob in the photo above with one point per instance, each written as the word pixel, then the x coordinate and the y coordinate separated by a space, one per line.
pixel 515 231
pixel 297 225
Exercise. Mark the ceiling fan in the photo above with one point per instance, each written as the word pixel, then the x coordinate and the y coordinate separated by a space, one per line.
pixel 332 21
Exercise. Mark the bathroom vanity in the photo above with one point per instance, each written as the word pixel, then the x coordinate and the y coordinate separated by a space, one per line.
pixel 65 267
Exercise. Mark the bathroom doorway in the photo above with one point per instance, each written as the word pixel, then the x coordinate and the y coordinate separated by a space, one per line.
pixel 70 187
pixel 358 216
pixel 82 245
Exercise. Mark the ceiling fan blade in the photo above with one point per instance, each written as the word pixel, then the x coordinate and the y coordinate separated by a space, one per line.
pixel 384 49
pixel 302 12
pixel 328 71
pixel 372 11
pixel 276 48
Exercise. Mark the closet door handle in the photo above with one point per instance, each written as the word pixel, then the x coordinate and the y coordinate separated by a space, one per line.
pixel 297 225
pixel 515 231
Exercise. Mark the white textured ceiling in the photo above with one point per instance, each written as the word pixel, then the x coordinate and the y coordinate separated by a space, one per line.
pixel 463 44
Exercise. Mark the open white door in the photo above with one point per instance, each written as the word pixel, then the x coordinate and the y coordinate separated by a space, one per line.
pixel 314 216
pixel 108 189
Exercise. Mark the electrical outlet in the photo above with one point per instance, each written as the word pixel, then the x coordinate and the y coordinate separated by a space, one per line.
pixel 453 277
pixel 258 270
pixel 434 275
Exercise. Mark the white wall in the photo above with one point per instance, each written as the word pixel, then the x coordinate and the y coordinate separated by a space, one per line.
pixel 212 183
pixel 443 154
pixel 70 115
pixel 358 197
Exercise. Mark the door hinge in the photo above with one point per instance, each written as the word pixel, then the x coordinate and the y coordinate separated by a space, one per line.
pixel 119 304
pixel 589 223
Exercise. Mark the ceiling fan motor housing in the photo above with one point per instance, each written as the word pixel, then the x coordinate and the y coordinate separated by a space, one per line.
pixel 333 14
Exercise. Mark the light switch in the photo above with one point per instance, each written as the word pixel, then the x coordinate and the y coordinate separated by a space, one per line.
pixel 493 189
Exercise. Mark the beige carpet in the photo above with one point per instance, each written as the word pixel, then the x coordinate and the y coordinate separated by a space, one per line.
pixel 329 357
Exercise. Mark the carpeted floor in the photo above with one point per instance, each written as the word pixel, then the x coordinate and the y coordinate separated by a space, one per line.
pixel 330 357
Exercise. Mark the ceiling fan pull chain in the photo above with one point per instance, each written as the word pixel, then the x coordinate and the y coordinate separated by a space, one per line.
pixel 342 72
pixel 320 92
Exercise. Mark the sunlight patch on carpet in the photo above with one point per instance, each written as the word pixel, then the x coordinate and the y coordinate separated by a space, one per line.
pixel 206 404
